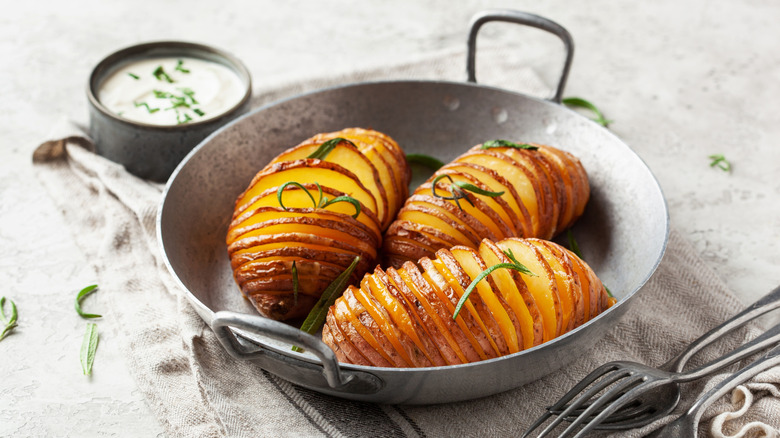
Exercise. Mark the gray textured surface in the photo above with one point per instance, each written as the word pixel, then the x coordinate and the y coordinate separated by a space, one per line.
pixel 682 80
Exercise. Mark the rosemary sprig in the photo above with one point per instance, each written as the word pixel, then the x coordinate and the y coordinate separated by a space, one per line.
pixel 515 265
pixel 316 317
pixel 458 190
pixel 578 102
pixel 507 144
pixel 8 321
pixel 88 348
pixel 425 160
pixel 294 270
pixel 80 297
pixel 326 147
pixel 323 201
pixel 719 161
pixel 160 74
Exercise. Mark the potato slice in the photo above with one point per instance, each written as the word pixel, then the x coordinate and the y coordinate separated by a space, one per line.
pixel 496 204
pixel 486 330
pixel 309 171
pixel 349 157
pixel 432 273
pixel 450 330
pixel 510 336
pixel 542 286
pixel 515 292
pixel 563 275
pixel 525 186
pixel 356 300
pixel 435 227
pixel 536 188
pixel 412 336
pixel 498 184
pixel 356 332
pixel 296 199
pixel 439 351
pixel 274 220
pixel 345 351
pixel 394 334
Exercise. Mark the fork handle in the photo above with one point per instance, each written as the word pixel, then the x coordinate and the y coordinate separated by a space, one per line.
pixel 767 303
pixel 767 339
pixel 770 359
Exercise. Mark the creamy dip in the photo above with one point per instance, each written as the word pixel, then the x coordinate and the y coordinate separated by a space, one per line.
pixel 171 91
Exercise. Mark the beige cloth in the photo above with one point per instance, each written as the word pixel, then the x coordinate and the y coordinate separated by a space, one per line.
pixel 196 389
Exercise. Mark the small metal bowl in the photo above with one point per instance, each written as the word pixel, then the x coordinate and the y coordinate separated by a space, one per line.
pixel 153 151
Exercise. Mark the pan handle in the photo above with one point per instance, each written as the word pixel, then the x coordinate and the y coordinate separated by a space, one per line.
pixel 296 370
pixel 527 19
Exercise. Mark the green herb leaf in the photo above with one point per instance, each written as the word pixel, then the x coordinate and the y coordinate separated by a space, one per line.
pixel 458 190
pixel 425 160
pixel 719 161
pixel 326 147
pixel 133 76
pixel 573 245
pixel 294 270
pixel 349 199
pixel 160 74
pixel 316 317
pixel 300 186
pixel 80 297
pixel 189 93
pixel 180 68
pixel 515 265
pixel 8 321
pixel 144 104
pixel 88 348
pixel 182 118
pixel 507 144
pixel 199 112
pixel 474 189
pixel 577 102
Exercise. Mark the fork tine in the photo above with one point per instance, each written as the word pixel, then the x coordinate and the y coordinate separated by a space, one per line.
pixel 635 382
pixel 597 387
pixel 582 384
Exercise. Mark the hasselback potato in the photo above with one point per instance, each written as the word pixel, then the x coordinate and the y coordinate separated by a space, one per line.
pixel 404 317
pixel 288 240
pixel 534 191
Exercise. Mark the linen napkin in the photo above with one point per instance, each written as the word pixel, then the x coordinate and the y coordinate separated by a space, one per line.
pixel 196 389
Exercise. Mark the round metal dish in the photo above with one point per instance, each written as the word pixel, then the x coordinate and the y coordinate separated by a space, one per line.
pixel 623 232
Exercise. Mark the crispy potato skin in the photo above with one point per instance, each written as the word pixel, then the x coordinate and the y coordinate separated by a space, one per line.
pixel 503 314
pixel 543 192
pixel 270 232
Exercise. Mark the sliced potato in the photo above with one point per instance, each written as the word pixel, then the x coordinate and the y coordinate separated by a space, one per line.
pixel 542 284
pixel 349 157
pixel 543 191
pixel 408 315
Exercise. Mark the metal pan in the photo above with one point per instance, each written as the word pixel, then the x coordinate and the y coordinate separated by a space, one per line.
pixel 623 232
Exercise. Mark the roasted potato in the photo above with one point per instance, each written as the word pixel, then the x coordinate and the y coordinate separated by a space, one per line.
pixel 404 317
pixel 272 230
pixel 538 191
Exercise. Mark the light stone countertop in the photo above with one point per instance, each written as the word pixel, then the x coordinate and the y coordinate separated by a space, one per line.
pixel 681 80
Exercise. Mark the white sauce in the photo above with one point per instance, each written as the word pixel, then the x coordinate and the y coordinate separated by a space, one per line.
pixel 141 90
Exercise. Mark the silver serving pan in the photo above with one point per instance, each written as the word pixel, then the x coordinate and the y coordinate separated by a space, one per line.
pixel 623 232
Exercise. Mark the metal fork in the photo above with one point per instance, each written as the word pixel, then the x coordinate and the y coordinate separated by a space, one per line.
pixel 687 425
pixel 658 402
pixel 629 380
